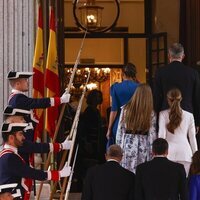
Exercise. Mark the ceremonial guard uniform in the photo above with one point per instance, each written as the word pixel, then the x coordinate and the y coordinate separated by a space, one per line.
pixel 28 146
pixel 19 100
pixel 13 169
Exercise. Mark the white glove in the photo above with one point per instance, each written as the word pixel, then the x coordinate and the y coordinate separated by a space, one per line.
pixel 66 144
pixel 66 171
pixel 65 97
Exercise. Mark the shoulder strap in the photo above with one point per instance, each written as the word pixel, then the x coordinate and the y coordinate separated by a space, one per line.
pixel 6 151
pixel 11 96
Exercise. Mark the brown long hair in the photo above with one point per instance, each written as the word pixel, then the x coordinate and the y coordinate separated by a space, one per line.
pixel 138 111
pixel 175 115
pixel 195 165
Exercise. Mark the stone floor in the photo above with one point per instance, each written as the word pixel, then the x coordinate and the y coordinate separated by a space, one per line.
pixel 72 196
pixel 45 194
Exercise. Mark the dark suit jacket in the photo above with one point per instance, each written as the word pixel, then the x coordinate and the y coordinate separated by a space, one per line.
pixel 160 179
pixel 109 181
pixel 176 74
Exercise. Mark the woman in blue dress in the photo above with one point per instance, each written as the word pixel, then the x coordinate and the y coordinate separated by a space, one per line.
pixel 121 93
pixel 194 179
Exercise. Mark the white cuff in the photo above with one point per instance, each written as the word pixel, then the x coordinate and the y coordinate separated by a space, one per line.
pixel 48 175
pixel 52 101
pixel 51 147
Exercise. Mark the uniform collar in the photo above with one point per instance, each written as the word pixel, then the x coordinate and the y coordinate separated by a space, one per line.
pixel 7 146
pixel 17 91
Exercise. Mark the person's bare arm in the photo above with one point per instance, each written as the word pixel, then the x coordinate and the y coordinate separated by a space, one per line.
pixel 112 117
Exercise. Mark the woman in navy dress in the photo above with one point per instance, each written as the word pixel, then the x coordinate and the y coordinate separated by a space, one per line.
pixel 194 179
pixel 121 93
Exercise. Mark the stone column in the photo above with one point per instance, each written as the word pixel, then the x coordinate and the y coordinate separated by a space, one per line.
pixel 17 41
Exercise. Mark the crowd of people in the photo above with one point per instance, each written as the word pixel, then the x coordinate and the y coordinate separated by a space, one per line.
pixel 156 133
pixel 155 155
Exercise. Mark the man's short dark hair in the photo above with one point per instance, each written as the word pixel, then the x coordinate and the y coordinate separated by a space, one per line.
pixel 176 50
pixel 5 136
pixel 94 97
pixel 160 146
pixel 114 151
pixel 129 70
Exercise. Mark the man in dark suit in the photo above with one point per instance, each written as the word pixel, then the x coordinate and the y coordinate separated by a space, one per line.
pixel 160 178
pixel 109 181
pixel 177 75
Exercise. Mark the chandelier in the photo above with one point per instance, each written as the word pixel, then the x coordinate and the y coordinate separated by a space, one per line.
pixel 96 75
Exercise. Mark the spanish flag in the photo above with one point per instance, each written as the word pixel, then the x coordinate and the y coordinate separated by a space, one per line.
pixel 52 77
pixel 38 68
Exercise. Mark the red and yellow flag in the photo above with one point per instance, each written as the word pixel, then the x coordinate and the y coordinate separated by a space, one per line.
pixel 38 68
pixel 52 77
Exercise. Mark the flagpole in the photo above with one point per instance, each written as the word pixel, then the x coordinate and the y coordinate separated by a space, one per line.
pixel 72 136
pixel 76 64
pixel 38 69
pixel 71 175
pixel 62 111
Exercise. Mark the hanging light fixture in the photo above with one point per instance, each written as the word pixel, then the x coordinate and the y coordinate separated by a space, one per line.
pixel 91 14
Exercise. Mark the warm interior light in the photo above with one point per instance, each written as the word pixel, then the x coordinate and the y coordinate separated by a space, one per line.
pixel 96 75
pixel 91 86
pixel 91 14
pixel 91 19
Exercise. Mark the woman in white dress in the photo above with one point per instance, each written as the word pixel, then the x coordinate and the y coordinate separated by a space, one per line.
pixel 177 127
pixel 137 128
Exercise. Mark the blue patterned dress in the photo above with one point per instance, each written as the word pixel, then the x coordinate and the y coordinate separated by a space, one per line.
pixel 137 148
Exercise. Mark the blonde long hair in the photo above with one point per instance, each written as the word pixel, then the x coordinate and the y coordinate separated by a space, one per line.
pixel 138 111
pixel 175 115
